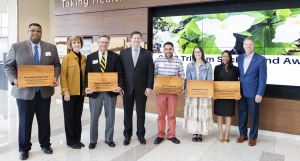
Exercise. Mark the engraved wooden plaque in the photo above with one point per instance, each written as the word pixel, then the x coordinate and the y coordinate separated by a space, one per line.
pixel 35 75
pixel 103 82
pixel 227 90
pixel 200 88
pixel 168 84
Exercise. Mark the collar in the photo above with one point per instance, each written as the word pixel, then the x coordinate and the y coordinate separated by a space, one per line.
pixel 32 44
pixel 250 56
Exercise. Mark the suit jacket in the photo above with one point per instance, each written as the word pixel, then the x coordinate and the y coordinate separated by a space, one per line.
pixel 139 77
pixel 21 54
pixel 70 74
pixel 234 76
pixel 113 64
pixel 253 82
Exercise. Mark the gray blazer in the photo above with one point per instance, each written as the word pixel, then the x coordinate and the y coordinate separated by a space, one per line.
pixel 21 54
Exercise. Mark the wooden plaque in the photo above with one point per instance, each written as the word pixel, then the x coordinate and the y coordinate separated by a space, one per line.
pixel 168 84
pixel 35 75
pixel 227 90
pixel 200 88
pixel 103 82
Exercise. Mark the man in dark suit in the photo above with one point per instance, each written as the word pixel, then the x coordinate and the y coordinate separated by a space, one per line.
pixel 253 77
pixel 138 83
pixel 103 60
pixel 32 100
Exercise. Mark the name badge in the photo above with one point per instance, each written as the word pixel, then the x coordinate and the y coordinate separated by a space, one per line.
pixel 48 53
pixel 95 61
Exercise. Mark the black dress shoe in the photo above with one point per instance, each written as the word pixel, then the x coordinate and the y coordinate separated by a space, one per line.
pixel 111 143
pixel 47 150
pixel 81 144
pixel 92 145
pixel 126 141
pixel 142 140
pixel 24 155
pixel 158 140
pixel 75 146
pixel 174 140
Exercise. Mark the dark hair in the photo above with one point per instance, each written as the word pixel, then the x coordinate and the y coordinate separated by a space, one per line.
pixel 230 58
pixel 202 55
pixel 168 43
pixel 34 24
pixel 136 32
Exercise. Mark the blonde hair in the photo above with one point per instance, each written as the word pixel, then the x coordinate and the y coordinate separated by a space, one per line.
pixel 248 38
pixel 73 38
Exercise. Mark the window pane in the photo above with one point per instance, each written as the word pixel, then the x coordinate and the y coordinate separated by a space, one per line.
pixel 4 20
pixel 4 32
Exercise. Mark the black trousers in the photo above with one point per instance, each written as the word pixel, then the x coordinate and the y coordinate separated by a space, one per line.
pixel 72 117
pixel 140 102
pixel 27 108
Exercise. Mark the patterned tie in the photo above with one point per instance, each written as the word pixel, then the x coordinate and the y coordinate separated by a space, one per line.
pixel 102 64
pixel 37 61
pixel 135 56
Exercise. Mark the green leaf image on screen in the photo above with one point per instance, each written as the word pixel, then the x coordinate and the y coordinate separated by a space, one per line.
pixel 275 32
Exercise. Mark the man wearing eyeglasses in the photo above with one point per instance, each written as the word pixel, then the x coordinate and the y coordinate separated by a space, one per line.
pixel 103 61
pixel 32 100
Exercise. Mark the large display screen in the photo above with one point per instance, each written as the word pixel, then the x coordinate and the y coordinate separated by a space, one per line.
pixel 276 34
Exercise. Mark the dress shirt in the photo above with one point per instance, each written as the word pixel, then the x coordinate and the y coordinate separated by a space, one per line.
pixel 39 48
pixel 100 56
pixel 247 60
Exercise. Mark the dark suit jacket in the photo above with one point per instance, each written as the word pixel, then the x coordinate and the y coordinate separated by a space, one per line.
pixel 21 54
pixel 113 64
pixel 234 76
pixel 253 82
pixel 139 77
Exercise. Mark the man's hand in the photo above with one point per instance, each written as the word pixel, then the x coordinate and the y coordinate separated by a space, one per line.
pixel 121 93
pixel 88 91
pixel 148 91
pixel 258 98
pixel 117 90
pixel 16 84
pixel 56 82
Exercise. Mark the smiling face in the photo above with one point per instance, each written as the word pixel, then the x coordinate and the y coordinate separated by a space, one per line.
pixel 225 58
pixel 103 43
pixel 35 34
pixel 136 40
pixel 197 53
pixel 168 50
pixel 248 46
pixel 76 45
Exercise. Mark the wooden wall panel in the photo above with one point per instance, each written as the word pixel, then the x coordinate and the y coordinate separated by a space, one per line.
pixel 93 6
pixel 125 21
pixel 62 25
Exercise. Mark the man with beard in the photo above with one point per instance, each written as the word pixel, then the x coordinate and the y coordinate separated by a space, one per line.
pixel 166 103
pixel 32 100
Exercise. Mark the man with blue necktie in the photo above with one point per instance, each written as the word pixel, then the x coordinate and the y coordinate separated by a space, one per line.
pixel 32 100
pixel 253 78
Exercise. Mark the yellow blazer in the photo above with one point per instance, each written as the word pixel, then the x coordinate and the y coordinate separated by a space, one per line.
pixel 69 74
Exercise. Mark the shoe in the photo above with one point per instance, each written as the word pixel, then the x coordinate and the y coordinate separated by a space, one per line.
pixel 174 140
pixel 199 138
pixel 47 150
pixel 81 144
pixel 252 142
pixel 242 139
pixel 126 141
pixel 158 140
pixel 195 138
pixel 24 155
pixel 142 140
pixel 75 146
pixel 111 143
pixel 92 145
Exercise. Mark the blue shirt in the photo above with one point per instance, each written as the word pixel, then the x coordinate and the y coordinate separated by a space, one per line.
pixel 39 48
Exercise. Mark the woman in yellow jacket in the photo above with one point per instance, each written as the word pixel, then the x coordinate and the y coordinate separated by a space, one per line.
pixel 72 79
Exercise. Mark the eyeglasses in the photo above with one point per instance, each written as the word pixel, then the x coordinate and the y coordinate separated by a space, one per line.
pixel 38 31
pixel 103 42
pixel 197 52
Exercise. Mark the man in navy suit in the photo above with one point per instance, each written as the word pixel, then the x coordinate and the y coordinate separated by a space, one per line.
pixel 253 77
pixel 103 60
pixel 138 83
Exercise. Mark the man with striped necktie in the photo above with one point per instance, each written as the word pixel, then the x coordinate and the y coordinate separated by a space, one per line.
pixel 103 60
